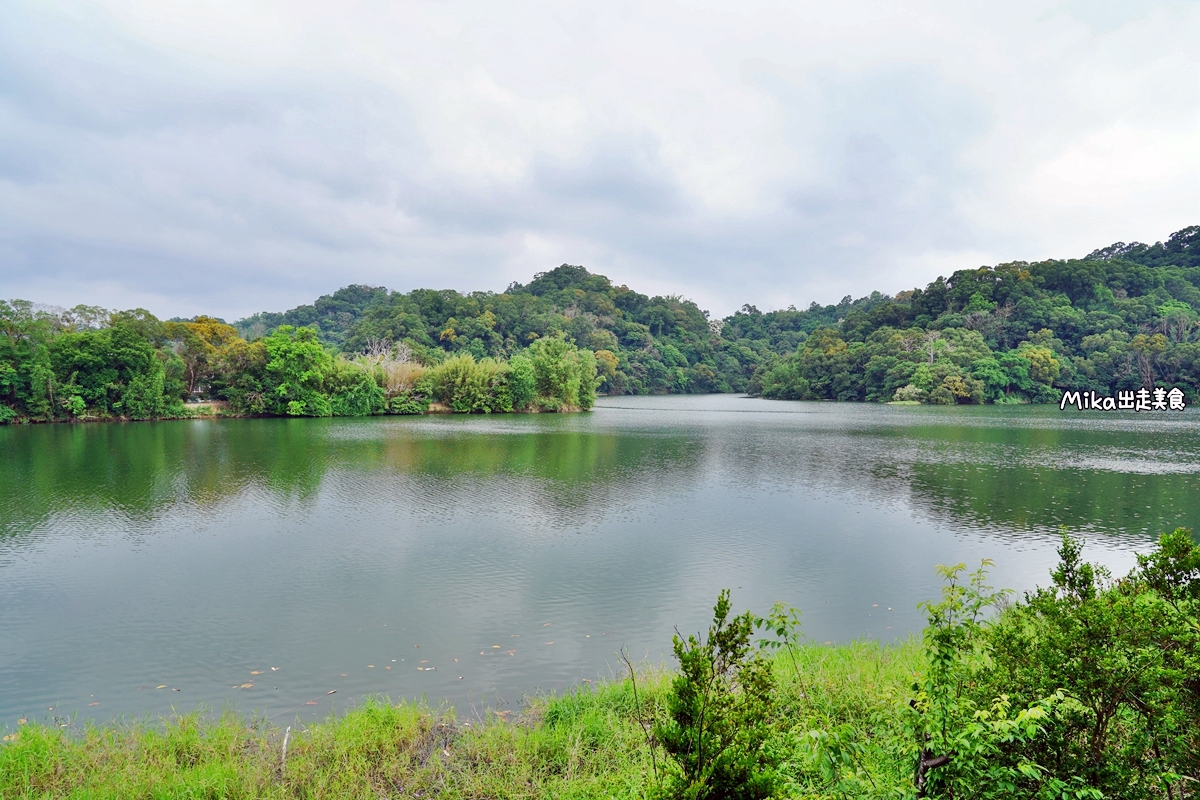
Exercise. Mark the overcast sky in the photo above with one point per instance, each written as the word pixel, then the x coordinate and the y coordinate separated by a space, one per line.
pixel 229 157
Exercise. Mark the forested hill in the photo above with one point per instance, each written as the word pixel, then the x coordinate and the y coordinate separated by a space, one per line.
pixel 1121 317
pixel 644 344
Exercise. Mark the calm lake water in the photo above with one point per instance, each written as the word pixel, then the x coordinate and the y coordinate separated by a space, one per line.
pixel 475 559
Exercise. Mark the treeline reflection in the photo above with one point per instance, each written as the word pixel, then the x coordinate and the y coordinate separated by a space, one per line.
pixel 143 470
pixel 1003 479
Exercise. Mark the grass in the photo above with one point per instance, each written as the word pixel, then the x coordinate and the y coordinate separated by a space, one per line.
pixel 587 743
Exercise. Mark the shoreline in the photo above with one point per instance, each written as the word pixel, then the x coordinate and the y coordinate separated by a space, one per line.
pixel 434 409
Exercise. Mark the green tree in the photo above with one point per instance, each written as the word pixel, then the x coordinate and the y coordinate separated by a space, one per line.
pixel 197 344
pixel 784 381
pixel 353 389
pixel 294 373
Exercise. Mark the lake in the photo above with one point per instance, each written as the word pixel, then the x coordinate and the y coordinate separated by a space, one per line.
pixel 261 564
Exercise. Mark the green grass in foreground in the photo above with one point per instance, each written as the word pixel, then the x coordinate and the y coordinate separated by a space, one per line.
pixel 583 744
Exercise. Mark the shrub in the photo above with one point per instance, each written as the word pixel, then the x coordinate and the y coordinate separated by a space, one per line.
pixel 565 376
pixel 719 708
pixel 143 397
pixel 522 381
pixel 399 377
pixel 965 739
pixel 1128 653
pixel 353 390
pixel 412 402
pixel 467 385
pixel 910 393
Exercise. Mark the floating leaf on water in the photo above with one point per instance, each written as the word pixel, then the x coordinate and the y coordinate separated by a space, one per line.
pixel 161 686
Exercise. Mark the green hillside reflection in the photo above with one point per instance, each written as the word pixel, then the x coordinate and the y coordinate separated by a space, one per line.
pixel 1007 473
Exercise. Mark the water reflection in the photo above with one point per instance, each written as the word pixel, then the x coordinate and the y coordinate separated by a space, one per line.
pixel 143 471
pixel 998 469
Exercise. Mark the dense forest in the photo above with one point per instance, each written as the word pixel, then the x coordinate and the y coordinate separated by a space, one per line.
pixel 89 364
pixel 1124 317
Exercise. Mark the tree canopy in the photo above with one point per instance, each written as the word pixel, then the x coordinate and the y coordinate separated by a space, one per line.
pixel 1124 317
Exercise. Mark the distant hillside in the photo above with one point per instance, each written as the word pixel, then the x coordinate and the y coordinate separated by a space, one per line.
pixel 654 344
pixel 1048 325
pixel 1122 318
pixel 1123 322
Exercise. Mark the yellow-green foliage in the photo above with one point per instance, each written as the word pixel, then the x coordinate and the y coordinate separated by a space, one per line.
pixel 467 385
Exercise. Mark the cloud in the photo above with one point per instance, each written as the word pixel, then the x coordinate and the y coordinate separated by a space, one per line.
pixel 234 157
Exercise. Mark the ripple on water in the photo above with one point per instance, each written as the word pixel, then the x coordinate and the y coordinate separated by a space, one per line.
pixel 221 548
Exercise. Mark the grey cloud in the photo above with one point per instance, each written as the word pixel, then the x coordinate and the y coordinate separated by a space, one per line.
pixel 136 172
pixel 618 176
